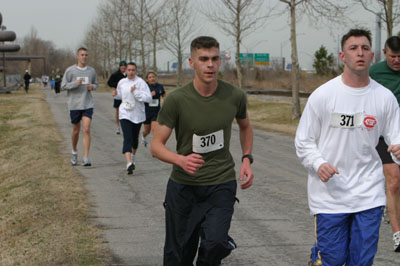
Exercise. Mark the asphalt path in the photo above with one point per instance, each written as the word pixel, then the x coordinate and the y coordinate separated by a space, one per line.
pixel 271 224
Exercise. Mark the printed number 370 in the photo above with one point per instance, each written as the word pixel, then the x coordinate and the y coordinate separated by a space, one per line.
pixel 207 141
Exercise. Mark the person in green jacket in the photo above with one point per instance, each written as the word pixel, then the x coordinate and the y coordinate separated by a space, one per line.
pixel 387 73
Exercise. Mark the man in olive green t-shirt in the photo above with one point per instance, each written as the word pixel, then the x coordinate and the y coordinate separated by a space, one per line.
pixel 387 73
pixel 202 186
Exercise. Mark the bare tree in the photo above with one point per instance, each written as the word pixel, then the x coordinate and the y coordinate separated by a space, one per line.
pixel 110 35
pixel 387 10
pixel 33 45
pixel 316 9
pixel 113 13
pixel 98 43
pixel 238 19
pixel 141 21
pixel 157 23
pixel 123 30
pixel 179 31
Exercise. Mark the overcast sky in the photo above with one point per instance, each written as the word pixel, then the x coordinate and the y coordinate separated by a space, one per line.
pixel 65 21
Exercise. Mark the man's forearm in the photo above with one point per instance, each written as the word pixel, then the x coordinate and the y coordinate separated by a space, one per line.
pixel 164 154
pixel 246 139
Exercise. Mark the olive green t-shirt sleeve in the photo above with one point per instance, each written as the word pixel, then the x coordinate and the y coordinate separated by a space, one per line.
pixel 242 108
pixel 168 114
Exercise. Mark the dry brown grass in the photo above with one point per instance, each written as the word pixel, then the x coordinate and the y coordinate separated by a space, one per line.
pixel 267 80
pixel 43 205
pixel 272 116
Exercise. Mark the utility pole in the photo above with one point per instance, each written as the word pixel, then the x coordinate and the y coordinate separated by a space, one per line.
pixel 3 28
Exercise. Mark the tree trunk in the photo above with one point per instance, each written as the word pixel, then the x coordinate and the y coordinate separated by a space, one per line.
pixel 238 39
pixel 155 47
pixel 179 77
pixel 389 17
pixel 296 112
pixel 142 54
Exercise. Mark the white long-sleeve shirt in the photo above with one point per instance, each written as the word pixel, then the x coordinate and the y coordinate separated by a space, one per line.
pixel 138 97
pixel 341 125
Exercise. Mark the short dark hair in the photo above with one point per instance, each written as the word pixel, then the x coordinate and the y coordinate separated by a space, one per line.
pixel 151 72
pixel 356 33
pixel 203 42
pixel 80 49
pixel 132 64
pixel 393 43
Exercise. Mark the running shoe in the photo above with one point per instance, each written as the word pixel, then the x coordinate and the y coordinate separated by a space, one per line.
pixel 86 162
pixel 396 240
pixel 130 167
pixel 385 217
pixel 74 159
pixel 144 141
pixel 118 131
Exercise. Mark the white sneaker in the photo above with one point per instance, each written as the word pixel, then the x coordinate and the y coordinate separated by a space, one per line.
pixel 118 131
pixel 385 217
pixel 144 141
pixel 86 162
pixel 130 167
pixel 396 241
pixel 74 159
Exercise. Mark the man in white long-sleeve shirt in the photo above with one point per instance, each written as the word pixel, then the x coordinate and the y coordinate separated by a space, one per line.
pixel 336 141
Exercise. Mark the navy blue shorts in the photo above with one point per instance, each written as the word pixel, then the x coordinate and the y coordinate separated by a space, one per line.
pixel 383 153
pixel 117 103
pixel 76 115
pixel 150 119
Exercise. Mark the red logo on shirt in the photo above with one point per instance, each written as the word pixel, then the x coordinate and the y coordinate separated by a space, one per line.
pixel 369 122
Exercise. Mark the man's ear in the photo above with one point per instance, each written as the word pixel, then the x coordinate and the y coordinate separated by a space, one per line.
pixel 191 62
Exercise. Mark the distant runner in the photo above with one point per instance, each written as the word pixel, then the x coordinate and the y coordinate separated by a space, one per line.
pixel 79 80
pixel 27 80
pixel 113 82
pixel 57 80
pixel 134 92
pixel 387 73
pixel 152 108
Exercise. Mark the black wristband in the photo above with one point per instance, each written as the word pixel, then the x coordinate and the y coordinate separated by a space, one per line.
pixel 249 156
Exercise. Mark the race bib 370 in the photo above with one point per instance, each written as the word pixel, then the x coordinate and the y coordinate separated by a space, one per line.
pixel 208 143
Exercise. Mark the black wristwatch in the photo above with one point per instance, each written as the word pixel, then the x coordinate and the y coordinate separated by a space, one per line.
pixel 249 156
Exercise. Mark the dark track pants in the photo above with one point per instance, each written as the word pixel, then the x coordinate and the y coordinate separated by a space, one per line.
pixel 194 212
pixel 131 133
pixel 26 87
pixel 57 86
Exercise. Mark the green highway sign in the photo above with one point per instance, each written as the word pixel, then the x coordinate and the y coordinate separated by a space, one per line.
pixel 246 58
pixel 258 59
pixel 261 59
